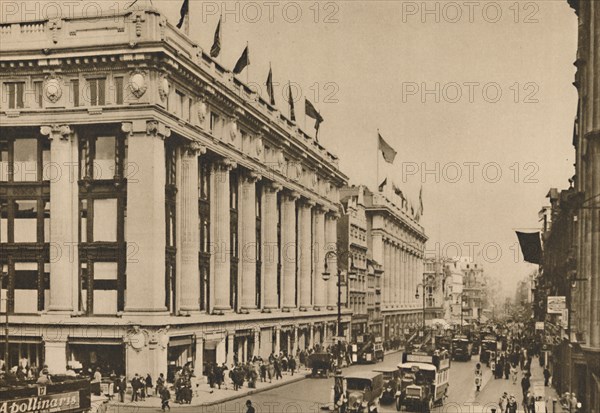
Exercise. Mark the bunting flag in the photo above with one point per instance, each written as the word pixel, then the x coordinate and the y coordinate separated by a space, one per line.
pixel 291 103
pixel 389 153
pixel 531 246
pixel 242 62
pixel 312 112
pixel 382 185
pixel 270 90
pixel 216 47
pixel 184 13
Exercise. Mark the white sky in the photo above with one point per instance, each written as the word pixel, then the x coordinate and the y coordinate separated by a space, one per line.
pixel 353 59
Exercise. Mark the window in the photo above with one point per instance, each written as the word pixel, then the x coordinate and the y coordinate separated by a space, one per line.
pixel 104 161
pixel 119 90
pixel 25 165
pixel 3 221
pixel 105 220
pixel 37 89
pixel 179 103
pixel 25 223
pixel 97 91
pixel 14 94
pixel 216 125
pixel 3 160
pixel 75 92
pixel 46 221
pixel 105 288
pixel 25 287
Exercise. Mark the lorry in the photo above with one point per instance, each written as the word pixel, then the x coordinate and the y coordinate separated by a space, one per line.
pixel 461 348
pixel 424 380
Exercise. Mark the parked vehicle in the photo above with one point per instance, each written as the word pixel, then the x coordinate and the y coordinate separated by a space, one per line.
pixel 391 383
pixel 476 345
pixel 367 349
pixel 424 381
pixel 363 391
pixel 461 349
pixel 320 363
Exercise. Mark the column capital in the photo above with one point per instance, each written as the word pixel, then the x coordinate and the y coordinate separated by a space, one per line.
pixel 321 209
pixel 273 186
pixel 225 164
pixel 56 131
pixel 251 176
pixel 333 214
pixel 158 129
pixel 193 148
pixel 290 195
pixel 309 203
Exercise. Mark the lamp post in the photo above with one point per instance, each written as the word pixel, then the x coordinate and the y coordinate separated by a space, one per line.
pixel 3 275
pixel 422 285
pixel 351 276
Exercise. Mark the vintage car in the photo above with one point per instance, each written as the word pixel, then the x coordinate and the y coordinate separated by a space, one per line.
pixel 488 345
pixel 475 346
pixel 363 391
pixel 461 348
pixel 320 364
pixel 424 381
pixel 391 383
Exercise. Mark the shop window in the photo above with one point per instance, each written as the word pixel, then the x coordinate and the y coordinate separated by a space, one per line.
pixel 37 90
pixel 25 223
pixel 46 221
pixel 25 287
pixel 83 210
pixel 25 160
pixel 48 171
pixel 14 94
pixel 105 287
pixel 105 220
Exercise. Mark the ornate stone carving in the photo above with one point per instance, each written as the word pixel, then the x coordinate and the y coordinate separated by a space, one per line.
pixel 51 131
pixel 54 25
pixel 163 87
pixel 258 147
pixel 138 19
pixel 233 129
pixel 193 148
pixel 137 83
pixel 154 127
pixel 136 338
pixel 202 111
pixel 280 161
pixel 53 87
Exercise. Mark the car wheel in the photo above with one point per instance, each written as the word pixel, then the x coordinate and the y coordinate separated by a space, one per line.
pixel 398 404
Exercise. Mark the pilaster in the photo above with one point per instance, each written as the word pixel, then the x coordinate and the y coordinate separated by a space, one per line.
pixel 270 258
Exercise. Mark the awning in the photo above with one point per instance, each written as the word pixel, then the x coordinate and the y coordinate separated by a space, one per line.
pixel 22 339
pixel 181 341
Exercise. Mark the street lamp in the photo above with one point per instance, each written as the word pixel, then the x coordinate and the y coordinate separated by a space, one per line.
pixel 351 276
pixel 422 285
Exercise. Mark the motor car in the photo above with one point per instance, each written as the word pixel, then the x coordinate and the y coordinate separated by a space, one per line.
pixel 363 391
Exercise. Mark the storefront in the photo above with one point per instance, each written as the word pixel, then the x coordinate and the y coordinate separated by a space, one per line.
pixel 181 350
pixel 21 348
pixel 107 354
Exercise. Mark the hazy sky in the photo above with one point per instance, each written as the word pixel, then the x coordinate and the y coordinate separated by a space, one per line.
pixel 505 105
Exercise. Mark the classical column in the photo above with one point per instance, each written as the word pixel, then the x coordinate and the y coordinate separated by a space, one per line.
pixel 296 346
pixel 331 245
pixel 406 277
pixel 387 274
pixel 220 231
pixel 64 209
pixel 247 224
pixel 199 362
pixel 394 279
pixel 256 347
pixel 146 216
pixel 270 259
pixel 303 254
pixel 277 339
pixel 594 224
pixel 311 336
pixel 288 249
pixel 230 348
pixel 55 353
pixel 319 284
pixel 188 224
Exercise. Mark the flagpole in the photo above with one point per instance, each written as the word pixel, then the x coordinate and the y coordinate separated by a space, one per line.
pixel 248 68
pixel 377 158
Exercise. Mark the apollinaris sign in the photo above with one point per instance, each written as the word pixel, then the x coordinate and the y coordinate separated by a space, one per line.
pixel 50 403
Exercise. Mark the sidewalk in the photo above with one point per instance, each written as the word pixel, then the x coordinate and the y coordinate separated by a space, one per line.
pixel 537 383
pixel 205 396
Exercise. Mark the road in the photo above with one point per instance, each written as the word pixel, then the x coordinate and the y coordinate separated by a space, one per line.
pixel 313 395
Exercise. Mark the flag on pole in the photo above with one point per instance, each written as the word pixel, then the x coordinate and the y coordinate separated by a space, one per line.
pixel 389 153
pixel 312 112
pixel 421 200
pixel 242 62
pixel 216 47
pixel 382 185
pixel 184 13
pixel 270 90
pixel 291 103
pixel 531 246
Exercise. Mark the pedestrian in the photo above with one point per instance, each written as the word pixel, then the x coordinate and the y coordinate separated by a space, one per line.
pixel 525 384
pixel 530 402
pixel 277 367
pixel 506 369
pixel 512 404
pixel 122 388
pixel 513 373
pixel 149 385
pixel 165 396
pixel 478 377
pixel 503 402
pixel 292 364
pixel 546 376
pixel 249 407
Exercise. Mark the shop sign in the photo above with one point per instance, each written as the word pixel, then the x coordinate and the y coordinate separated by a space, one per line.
pixel 556 303
pixel 45 403
pixel 539 325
